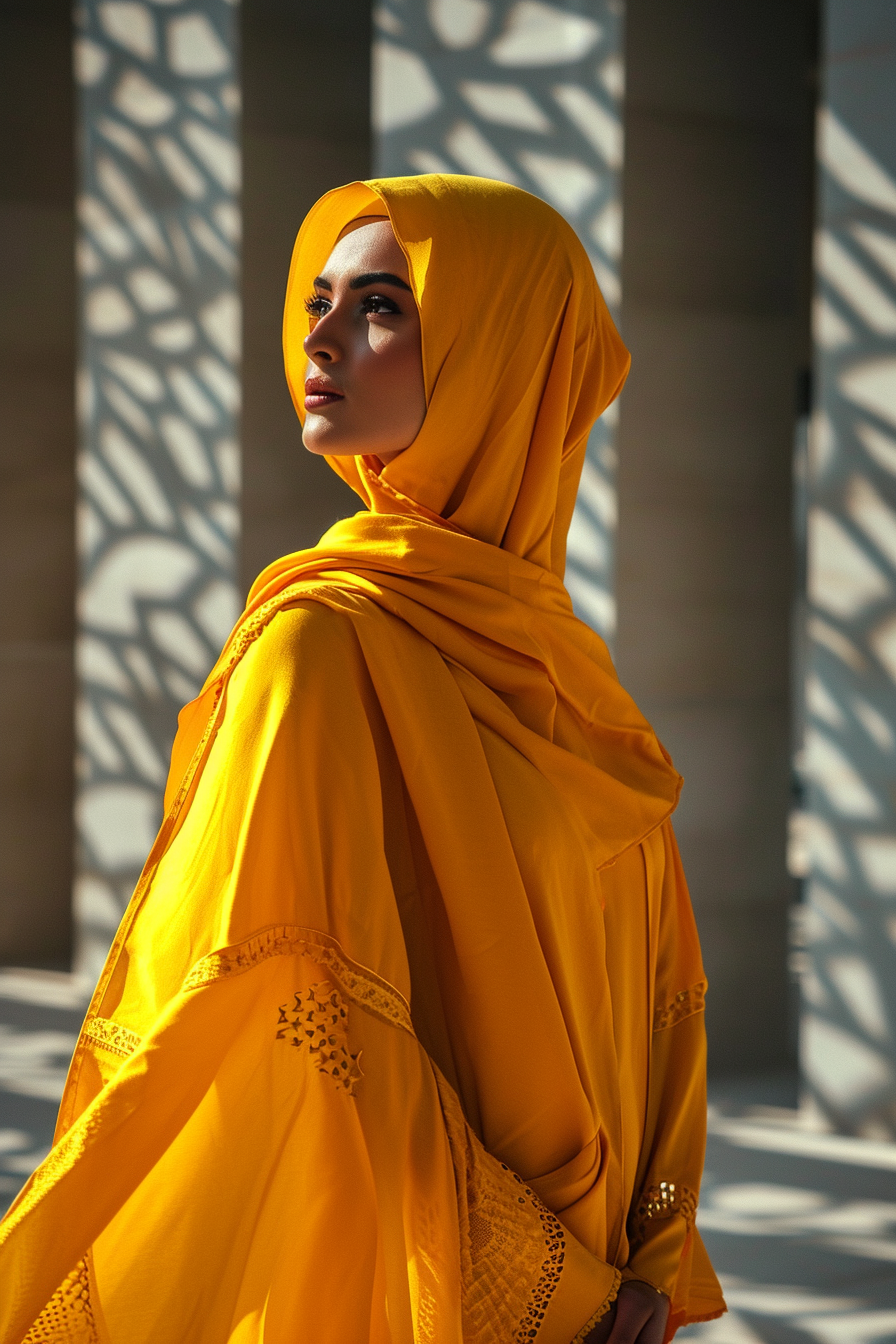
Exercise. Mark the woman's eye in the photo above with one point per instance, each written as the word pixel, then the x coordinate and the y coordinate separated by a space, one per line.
pixel 378 303
pixel 317 306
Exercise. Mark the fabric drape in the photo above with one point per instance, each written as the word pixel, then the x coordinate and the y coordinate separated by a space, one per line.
pixel 400 1039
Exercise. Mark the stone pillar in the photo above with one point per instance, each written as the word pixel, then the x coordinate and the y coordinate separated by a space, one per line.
pixel 848 831
pixel 528 93
pixel 158 392
pixel 719 174
pixel 37 358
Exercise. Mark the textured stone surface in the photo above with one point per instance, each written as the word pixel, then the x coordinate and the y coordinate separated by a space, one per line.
pixel 717 201
pixel 306 129
pixel 159 398
pixel 847 836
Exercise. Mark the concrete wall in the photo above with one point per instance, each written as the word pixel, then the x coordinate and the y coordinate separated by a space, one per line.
pixel 848 753
pixel 306 128
pixel 37 434
pixel 717 207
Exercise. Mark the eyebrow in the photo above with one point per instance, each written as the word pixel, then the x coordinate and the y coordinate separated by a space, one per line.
pixel 369 278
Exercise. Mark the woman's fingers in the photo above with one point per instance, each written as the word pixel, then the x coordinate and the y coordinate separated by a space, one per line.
pixel 641 1315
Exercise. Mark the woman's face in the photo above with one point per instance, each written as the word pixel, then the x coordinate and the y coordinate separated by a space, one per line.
pixel 364 382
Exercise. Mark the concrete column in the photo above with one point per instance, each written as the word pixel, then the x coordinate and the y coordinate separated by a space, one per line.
pixel 847 838
pixel 306 129
pixel 158 257
pixel 718 185
pixel 37 359
pixel 529 93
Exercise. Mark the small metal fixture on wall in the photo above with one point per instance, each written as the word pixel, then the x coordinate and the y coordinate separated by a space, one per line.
pixel 158 391
pixel 846 836
pixel 529 93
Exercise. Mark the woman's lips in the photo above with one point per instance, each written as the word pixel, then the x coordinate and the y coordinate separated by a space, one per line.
pixel 319 394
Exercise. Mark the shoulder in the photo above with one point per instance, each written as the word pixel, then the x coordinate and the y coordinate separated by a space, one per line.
pixel 306 646
pixel 307 628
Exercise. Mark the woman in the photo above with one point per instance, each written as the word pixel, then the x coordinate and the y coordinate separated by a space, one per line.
pixel 401 1038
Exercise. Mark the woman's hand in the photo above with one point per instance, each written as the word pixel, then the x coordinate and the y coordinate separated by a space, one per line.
pixel 638 1316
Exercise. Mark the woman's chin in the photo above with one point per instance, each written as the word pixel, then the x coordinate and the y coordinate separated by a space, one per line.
pixel 325 445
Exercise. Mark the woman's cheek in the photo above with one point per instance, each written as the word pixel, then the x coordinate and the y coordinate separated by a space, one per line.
pixel 380 340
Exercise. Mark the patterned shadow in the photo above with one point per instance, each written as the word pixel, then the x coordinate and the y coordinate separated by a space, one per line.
pixel 158 398
pixel 528 93
pixel 846 837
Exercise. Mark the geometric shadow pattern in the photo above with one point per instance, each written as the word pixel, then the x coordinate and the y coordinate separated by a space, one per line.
pixel 158 396
pixel 846 835
pixel 528 93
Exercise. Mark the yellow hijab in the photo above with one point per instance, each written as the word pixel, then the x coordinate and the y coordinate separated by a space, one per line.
pixel 465 533
pixel 520 356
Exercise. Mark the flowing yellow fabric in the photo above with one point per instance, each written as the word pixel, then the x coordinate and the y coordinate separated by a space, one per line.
pixel 400 1040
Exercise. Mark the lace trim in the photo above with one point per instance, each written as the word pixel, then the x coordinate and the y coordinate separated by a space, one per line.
pixel 68 1316
pixel 551 1265
pixel 360 986
pixel 661 1201
pixel 685 1004
pixel 112 1036
pixel 512 1248
pixel 318 1021
pixel 582 1336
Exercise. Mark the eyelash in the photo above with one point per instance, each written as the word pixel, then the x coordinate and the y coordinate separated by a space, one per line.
pixel 316 306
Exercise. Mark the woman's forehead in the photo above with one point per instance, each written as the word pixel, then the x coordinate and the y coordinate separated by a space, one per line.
pixel 366 239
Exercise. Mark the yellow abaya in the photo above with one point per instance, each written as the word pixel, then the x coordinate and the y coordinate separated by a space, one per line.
pixel 400 1040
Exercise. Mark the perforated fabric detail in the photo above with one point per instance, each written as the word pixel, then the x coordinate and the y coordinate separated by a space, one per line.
pixel 68 1316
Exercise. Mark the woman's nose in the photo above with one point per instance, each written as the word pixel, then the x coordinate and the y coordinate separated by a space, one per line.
pixel 320 344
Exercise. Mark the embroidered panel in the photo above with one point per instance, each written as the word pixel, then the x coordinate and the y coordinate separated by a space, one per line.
pixel 512 1247
pixel 662 1200
pixel 685 1004
pixel 360 986
pixel 318 1022
pixel 68 1316
pixel 111 1036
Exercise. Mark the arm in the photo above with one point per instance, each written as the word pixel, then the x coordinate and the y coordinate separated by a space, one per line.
pixel 665 1249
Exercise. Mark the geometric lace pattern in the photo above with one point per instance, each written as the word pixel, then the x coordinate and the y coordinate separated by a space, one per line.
pixel 685 1004
pixel 512 1247
pixel 359 985
pixel 317 1022
pixel 68 1316
pixel 662 1200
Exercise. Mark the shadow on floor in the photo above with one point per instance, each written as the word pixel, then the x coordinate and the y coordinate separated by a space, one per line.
pixel 799 1224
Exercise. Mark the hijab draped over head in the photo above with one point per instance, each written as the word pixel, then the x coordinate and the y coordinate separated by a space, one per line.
pixel 520 356
pixel 464 532
pixel 464 537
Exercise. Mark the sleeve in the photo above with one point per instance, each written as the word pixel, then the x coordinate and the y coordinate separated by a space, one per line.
pixel 665 1248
